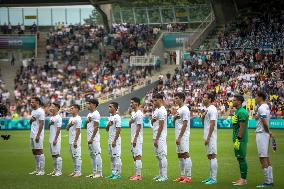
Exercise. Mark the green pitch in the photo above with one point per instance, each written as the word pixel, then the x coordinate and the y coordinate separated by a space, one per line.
pixel 16 161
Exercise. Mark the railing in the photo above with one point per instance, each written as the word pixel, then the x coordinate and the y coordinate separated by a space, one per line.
pixel 143 60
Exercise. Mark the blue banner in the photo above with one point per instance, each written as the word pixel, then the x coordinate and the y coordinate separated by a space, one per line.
pixel 194 123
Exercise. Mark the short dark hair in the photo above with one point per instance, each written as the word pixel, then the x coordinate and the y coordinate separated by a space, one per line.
pixel 37 99
pixel 115 105
pixel 93 101
pixel 240 98
pixel 76 106
pixel 261 95
pixel 181 95
pixel 211 96
pixel 136 99
pixel 159 96
pixel 56 105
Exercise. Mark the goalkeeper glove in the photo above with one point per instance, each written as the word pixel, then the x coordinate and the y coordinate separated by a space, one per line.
pixel 237 144
pixel 234 119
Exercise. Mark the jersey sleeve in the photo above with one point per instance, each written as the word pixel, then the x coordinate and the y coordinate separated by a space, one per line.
pixel 41 115
pixel 59 122
pixel 185 115
pixel 262 113
pixel 78 123
pixel 213 114
pixel 117 121
pixel 96 117
pixel 242 116
pixel 139 119
pixel 162 115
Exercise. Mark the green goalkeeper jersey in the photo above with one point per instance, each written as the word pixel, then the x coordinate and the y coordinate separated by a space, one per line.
pixel 240 115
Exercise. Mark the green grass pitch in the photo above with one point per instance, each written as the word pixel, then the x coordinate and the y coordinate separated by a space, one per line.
pixel 16 161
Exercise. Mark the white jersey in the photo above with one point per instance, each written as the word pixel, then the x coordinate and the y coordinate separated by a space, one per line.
pixel 37 115
pixel 57 123
pixel 137 117
pixel 263 112
pixel 160 114
pixel 116 123
pixel 93 117
pixel 212 114
pixel 184 115
pixel 72 130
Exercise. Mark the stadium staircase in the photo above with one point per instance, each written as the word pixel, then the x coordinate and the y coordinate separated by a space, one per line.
pixel 41 48
pixel 211 41
pixel 9 74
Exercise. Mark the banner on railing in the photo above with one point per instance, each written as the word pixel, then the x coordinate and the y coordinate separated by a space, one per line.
pixel 18 42
pixel 194 123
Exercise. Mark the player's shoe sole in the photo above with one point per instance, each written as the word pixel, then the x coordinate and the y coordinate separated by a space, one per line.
pixel 33 173
pixel 265 185
pixel 207 180
pixel 157 177
pixel 211 182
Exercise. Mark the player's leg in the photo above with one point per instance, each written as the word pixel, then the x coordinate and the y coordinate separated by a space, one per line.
pixel 98 160
pixel 93 158
pixel 40 156
pixel 188 166
pixel 241 157
pixel 112 161
pixel 212 151
pixel 137 154
pixel 116 153
pixel 156 152
pixel 182 163
pixel 53 155
pixel 71 150
pixel 213 169
pixel 78 161
pixel 36 158
pixel 262 141
pixel 162 156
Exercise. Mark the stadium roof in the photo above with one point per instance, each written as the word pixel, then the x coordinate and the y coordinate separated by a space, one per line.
pixel 23 3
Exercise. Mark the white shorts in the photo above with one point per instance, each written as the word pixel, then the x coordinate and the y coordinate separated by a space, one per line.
pixel 162 148
pixel 183 147
pixel 75 152
pixel 137 150
pixel 116 151
pixel 36 145
pixel 262 143
pixel 211 148
pixel 55 149
pixel 94 148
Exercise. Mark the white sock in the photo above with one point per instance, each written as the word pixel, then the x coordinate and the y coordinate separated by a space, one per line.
pixel 266 175
pixel 54 159
pixel 188 165
pixel 270 174
pixel 214 168
pixel 138 167
pixel 42 162
pixel 74 164
pixel 99 164
pixel 112 165
pixel 37 158
pixel 160 167
pixel 182 168
pixel 164 163
pixel 78 164
pixel 59 164
pixel 118 165
pixel 210 165
pixel 94 165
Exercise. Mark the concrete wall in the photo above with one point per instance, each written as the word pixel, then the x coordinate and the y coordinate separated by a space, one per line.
pixel 124 101
pixel 225 10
